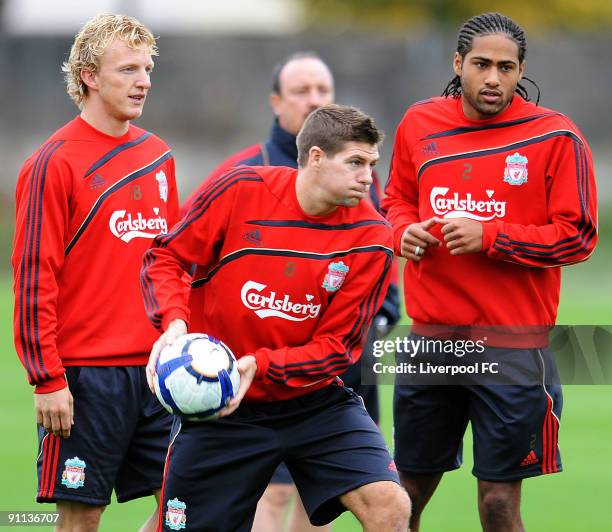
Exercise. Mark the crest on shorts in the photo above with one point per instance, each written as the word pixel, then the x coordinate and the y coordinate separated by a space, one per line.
pixel 162 182
pixel 73 475
pixel 336 273
pixel 176 518
pixel 515 172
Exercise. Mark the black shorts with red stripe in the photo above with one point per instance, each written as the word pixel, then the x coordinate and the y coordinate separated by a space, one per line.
pixel 515 426
pixel 351 379
pixel 369 395
pixel 217 470
pixel 118 441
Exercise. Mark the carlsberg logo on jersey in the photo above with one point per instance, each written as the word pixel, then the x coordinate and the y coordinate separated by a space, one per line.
pixel 455 206
pixel 267 305
pixel 127 227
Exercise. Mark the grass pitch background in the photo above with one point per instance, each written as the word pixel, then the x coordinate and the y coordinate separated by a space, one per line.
pixel 577 499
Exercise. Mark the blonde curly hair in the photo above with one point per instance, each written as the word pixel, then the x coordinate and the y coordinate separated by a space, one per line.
pixel 91 42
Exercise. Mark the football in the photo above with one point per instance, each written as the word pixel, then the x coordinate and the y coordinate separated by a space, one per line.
pixel 196 376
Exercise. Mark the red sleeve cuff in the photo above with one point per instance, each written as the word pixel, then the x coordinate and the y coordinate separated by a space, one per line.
pixel 398 232
pixel 174 314
pixel 52 385
pixel 263 364
pixel 489 235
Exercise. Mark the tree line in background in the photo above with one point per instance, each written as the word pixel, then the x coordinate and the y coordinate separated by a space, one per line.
pixel 578 15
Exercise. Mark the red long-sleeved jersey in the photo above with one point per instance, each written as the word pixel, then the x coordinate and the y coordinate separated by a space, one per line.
pixel 527 175
pixel 88 206
pixel 295 291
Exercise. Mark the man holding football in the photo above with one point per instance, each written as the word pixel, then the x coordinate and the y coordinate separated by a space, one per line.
pixel 304 237
pixel 301 83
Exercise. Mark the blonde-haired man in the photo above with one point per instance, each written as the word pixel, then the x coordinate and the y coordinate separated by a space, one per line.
pixel 89 202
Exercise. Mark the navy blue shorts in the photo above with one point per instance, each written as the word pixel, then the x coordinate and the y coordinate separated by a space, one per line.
pixel 217 470
pixel 281 475
pixel 369 395
pixel 119 440
pixel 515 427
pixel 368 392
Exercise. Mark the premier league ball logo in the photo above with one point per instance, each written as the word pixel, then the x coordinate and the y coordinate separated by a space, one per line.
pixel 515 172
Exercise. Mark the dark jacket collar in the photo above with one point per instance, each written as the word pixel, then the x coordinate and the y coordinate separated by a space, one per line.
pixel 284 140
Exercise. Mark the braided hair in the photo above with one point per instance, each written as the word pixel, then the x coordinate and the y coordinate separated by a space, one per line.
pixel 490 24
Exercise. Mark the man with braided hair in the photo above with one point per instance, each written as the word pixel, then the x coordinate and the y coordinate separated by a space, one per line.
pixel 489 195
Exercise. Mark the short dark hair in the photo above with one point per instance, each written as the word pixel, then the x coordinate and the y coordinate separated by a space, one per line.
pixel 276 71
pixel 489 24
pixel 331 126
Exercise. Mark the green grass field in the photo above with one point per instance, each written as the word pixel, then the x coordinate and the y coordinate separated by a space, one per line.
pixel 576 500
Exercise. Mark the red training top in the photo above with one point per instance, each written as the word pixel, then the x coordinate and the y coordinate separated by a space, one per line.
pixel 88 206
pixel 527 175
pixel 295 291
